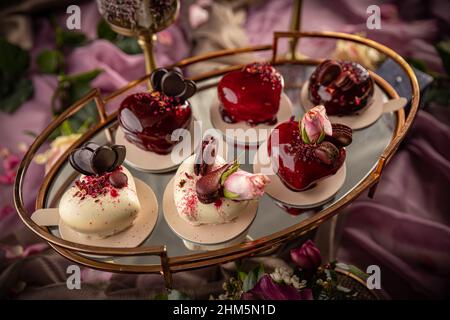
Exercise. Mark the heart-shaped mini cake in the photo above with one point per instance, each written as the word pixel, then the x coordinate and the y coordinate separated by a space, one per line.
pixel 103 202
pixel 343 87
pixel 303 154
pixel 251 95
pixel 148 119
pixel 207 190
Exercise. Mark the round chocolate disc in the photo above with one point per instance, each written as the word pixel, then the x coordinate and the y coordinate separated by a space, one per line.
pixel 190 90
pixel 173 84
pixel 80 160
pixel 156 78
pixel 103 159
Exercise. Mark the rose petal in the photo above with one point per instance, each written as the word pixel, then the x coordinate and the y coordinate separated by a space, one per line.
pixel 267 289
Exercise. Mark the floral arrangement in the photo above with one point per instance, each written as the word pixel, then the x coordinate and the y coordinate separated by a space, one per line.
pixel 308 280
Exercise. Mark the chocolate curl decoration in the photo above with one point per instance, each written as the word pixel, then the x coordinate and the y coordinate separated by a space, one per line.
pixel 172 83
pixel 206 156
pixel 208 187
pixel 342 135
pixel 330 73
pixel 92 159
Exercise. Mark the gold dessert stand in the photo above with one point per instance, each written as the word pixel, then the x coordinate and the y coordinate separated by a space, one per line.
pixel 168 265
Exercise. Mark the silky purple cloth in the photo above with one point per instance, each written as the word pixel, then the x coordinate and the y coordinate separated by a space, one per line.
pixel 404 230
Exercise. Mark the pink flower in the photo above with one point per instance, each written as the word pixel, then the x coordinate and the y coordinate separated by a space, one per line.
pixel 10 162
pixel 18 251
pixel 315 125
pixel 95 276
pixel 307 257
pixel 242 185
pixel 198 13
pixel 8 177
pixel 6 211
pixel 267 289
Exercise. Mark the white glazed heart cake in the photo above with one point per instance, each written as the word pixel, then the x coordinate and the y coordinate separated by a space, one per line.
pixel 191 209
pixel 97 208
pixel 103 202
pixel 214 193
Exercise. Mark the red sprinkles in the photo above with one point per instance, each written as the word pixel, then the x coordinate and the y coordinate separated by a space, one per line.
pixel 96 186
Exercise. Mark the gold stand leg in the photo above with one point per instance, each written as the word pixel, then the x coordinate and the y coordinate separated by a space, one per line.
pixel 295 26
pixel 146 42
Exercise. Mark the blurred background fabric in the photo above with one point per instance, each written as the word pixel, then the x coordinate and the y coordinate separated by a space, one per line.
pixel 405 229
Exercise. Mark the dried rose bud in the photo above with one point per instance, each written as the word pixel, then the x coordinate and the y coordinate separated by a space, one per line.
pixel 315 125
pixel 242 185
pixel 307 257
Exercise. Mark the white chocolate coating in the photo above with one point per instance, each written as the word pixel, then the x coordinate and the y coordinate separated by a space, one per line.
pixel 191 209
pixel 102 216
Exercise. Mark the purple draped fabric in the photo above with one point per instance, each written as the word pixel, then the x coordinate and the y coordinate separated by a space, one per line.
pixel 404 230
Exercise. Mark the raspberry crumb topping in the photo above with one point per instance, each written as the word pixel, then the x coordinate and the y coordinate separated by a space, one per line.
pixel 96 186
pixel 265 71
pixel 218 203
pixel 189 203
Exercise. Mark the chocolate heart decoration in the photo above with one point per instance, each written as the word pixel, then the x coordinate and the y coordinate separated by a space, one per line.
pixel 92 159
pixel 172 83
pixel 80 159
pixel 156 78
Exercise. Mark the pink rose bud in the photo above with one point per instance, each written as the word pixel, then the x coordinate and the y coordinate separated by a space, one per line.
pixel 315 125
pixel 242 185
pixel 307 257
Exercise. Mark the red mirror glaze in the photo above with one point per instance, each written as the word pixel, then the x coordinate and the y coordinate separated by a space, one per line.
pixel 251 94
pixel 298 165
pixel 343 87
pixel 148 120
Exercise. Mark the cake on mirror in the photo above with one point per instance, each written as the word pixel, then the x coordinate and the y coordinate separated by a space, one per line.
pixel 251 95
pixel 148 119
pixel 342 87
pixel 308 151
pixel 104 201
pixel 208 190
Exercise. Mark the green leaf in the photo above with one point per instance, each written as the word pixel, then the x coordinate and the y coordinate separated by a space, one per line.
pixel 418 64
pixel 71 89
pixel 229 195
pixel 50 61
pixel 443 49
pixel 177 295
pixel 252 278
pixel 104 31
pixel 82 77
pixel 305 137
pixel 70 38
pixel 14 61
pixel 66 128
pixel 438 94
pixel 242 275
pixel 353 270
pixel 20 92
pixel 128 45
pixel 30 133
pixel 230 171
pixel 161 296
